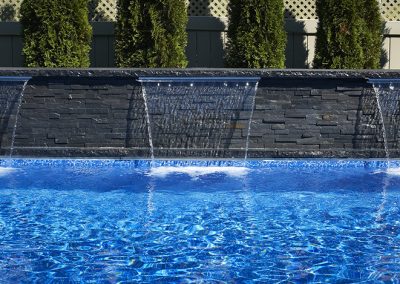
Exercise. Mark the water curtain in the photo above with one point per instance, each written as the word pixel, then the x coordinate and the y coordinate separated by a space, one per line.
pixel 209 116
pixel 11 95
pixel 387 92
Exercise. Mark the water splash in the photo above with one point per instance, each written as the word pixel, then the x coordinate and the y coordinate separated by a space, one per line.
pixel 4 171
pixel 196 172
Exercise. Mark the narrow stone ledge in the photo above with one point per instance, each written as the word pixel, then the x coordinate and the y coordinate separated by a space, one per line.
pixel 188 72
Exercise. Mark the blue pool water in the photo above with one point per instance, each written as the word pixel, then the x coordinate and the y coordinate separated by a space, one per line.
pixel 105 221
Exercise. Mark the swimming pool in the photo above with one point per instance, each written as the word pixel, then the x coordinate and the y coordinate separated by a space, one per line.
pixel 107 221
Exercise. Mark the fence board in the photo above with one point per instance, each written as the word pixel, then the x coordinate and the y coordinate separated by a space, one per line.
pixel 101 51
pixel 395 53
pixel 191 49
pixel 310 49
pixel 289 51
pixel 6 51
pixel 17 45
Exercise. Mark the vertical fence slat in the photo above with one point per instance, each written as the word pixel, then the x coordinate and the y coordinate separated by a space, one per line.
pixel 395 53
pixel 111 51
pixel 203 48
pixel 191 49
pixel 310 49
pixel 6 51
pixel 289 51
pixel 17 57
pixel 216 50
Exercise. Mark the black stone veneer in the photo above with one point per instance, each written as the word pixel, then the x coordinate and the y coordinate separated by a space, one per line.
pixel 100 113
pixel 265 73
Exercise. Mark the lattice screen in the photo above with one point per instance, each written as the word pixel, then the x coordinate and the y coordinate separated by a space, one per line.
pixel 102 10
pixel 105 10
pixel 300 9
pixel 9 9
pixel 390 10
pixel 215 8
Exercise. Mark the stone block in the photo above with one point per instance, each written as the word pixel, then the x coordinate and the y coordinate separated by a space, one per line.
pixel 54 115
pixel 274 119
pixel 316 92
pixel 330 130
pixel 279 126
pixel 326 123
pixel 283 139
pixel 61 140
pixel 296 113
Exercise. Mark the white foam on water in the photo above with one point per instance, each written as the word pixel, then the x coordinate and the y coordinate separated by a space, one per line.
pixel 195 172
pixel 393 171
pixel 389 171
pixel 6 171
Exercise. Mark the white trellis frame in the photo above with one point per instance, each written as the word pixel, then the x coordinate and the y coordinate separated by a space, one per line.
pixel 106 10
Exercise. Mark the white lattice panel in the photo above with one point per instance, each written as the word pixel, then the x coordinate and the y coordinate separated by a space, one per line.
pixel 103 10
pixel 9 9
pixel 106 10
pixel 300 9
pixel 215 8
pixel 390 10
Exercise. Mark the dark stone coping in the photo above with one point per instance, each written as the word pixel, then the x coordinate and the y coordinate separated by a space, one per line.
pixel 264 73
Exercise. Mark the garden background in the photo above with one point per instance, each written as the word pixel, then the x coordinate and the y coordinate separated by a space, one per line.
pixel 206 28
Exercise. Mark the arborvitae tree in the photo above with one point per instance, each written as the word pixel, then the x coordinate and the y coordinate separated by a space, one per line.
pixel 57 33
pixel 256 34
pixel 349 34
pixel 373 37
pixel 151 33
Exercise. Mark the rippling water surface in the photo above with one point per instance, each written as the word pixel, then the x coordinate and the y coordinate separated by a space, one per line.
pixel 121 221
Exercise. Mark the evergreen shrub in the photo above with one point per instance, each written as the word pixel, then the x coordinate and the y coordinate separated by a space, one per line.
pixel 256 34
pixel 56 33
pixel 151 33
pixel 349 34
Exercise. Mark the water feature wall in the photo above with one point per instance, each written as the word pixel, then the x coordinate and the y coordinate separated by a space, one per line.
pixel 105 113
pixel 207 114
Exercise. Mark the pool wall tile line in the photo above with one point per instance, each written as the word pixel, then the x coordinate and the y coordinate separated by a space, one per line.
pixel 251 164
pixel 101 113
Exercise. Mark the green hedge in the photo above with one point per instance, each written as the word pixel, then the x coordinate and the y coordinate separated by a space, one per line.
pixel 151 33
pixel 56 33
pixel 256 34
pixel 349 34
